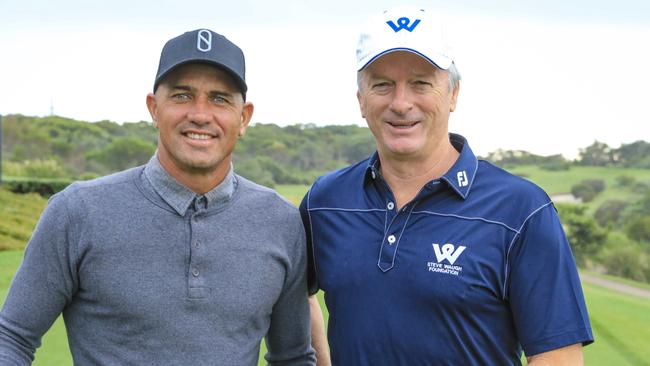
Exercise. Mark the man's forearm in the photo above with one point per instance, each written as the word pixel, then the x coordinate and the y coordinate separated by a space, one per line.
pixel 566 356
pixel 318 337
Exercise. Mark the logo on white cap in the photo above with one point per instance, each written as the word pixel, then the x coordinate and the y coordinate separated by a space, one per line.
pixel 204 40
pixel 403 23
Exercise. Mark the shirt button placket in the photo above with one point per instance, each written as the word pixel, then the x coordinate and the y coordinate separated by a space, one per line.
pixel 389 246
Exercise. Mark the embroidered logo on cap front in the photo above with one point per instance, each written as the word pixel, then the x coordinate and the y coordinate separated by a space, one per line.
pixel 462 179
pixel 403 23
pixel 204 40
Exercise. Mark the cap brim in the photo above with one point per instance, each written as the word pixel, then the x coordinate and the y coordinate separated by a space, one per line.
pixel 440 61
pixel 241 84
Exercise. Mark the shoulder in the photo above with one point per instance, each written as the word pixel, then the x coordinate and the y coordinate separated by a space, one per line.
pixel 492 178
pixel 333 182
pixel 105 186
pixel 506 197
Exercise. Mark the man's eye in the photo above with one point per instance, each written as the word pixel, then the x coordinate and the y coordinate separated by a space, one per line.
pixel 181 96
pixel 381 87
pixel 219 99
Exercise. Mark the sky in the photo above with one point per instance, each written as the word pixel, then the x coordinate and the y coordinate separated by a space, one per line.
pixel 547 77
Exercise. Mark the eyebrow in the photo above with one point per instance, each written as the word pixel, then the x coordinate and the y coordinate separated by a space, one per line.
pixel 211 93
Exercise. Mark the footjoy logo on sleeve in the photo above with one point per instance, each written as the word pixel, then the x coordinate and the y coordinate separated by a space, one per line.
pixel 447 252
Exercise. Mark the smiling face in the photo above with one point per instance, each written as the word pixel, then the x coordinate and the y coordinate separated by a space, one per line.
pixel 200 114
pixel 406 102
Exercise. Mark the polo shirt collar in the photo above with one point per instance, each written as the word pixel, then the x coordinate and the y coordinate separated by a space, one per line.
pixel 181 198
pixel 461 175
pixel 459 178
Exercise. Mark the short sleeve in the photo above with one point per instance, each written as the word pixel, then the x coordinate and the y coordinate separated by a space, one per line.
pixel 312 280
pixel 544 289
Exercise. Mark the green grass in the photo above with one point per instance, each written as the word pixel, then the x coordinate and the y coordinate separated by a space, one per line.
pixel 555 182
pixel 18 216
pixel 292 192
pixel 621 325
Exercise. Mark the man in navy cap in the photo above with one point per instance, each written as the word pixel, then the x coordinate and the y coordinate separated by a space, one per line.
pixel 177 262
pixel 426 254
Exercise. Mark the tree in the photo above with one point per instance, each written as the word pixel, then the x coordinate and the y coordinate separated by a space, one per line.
pixel 636 154
pixel 584 234
pixel 596 154
pixel 123 153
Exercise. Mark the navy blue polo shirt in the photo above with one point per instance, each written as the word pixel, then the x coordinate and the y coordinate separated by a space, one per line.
pixel 473 270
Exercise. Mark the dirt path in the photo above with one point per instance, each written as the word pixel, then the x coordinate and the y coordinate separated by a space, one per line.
pixel 626 289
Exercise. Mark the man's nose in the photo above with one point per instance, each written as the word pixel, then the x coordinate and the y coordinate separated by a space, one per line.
pixel 401 102
pixel 200 111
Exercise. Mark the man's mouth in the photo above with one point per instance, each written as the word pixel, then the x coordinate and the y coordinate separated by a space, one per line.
pixel 403 124
pixel 198 136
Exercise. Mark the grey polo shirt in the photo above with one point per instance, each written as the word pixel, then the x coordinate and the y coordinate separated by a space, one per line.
pixel 146 272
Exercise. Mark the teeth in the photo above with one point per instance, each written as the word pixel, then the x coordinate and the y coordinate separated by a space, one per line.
pixel 405 125
pixel 198 136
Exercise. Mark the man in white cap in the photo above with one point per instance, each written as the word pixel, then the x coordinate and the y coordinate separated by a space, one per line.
pixel 427 255
pixel 177 262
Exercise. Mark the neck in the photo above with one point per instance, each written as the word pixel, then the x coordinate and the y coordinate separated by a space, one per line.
pixel 197 180
pixel 407 176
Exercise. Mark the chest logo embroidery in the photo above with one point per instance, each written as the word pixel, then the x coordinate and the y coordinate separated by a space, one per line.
pixel 449 253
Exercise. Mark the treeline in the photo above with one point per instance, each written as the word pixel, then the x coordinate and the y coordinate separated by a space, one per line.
pixel 632 155
pixel 56 147
pixel 62 148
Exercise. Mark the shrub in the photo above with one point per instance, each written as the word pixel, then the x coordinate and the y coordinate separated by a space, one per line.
pixel 610 212
pixel 639 229
pixel 44 187
pixel 44 169
pixel 37 168
pixel 588 189
pixel 625 181
pixel 624 258
pixel 584 234
pixel 253 170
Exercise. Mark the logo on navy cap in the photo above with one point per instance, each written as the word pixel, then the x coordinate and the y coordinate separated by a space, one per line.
pixel 204 40
pixel 403 23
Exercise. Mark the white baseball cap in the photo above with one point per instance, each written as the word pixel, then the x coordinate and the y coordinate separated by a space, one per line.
pixel 409 29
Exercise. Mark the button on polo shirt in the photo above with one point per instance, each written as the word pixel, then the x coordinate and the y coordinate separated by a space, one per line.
pixel 452 277
pixel 193 207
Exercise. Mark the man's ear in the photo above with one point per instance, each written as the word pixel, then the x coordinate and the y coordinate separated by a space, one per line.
pixel 153 108
pixel 361 104
pixel 246 115
pixel 454 97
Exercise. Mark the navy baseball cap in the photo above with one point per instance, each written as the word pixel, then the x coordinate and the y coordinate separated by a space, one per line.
pixel 202 46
